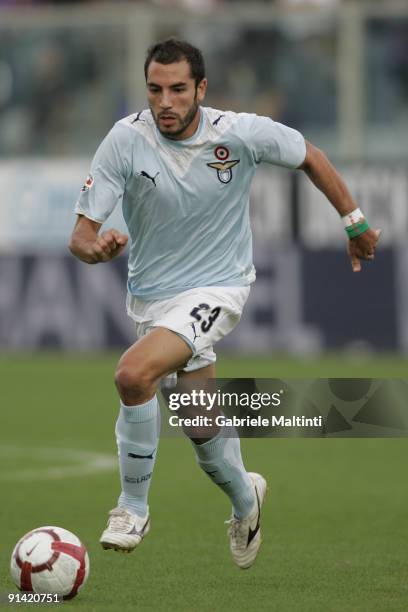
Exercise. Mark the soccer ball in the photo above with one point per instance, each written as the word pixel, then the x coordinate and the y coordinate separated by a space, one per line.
pixel 50 560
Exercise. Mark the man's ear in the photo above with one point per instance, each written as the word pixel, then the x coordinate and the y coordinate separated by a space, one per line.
pixel 201 89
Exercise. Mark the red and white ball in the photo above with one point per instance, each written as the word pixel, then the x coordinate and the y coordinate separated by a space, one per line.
pixel 50 560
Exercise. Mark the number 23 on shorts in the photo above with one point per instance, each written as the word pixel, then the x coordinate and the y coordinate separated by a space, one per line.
pixel 206 319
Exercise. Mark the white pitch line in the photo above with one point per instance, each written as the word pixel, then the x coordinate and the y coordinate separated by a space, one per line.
pixel 75 462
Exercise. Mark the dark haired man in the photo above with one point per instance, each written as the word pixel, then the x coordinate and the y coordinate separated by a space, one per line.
pixel 183 174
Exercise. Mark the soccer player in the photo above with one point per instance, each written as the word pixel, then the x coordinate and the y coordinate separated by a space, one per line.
pixel 182 173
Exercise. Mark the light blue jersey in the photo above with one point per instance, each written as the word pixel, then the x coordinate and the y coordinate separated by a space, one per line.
pixel 186 202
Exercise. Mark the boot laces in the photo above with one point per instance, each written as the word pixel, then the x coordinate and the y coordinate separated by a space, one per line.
pixel 237 530
pixel 119 520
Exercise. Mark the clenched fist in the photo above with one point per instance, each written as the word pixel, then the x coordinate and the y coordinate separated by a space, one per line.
pixel 107 245
pixel 363 247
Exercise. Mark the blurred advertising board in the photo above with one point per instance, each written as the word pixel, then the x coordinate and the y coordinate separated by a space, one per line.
pixel 305 299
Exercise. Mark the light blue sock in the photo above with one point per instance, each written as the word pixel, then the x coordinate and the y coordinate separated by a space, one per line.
pixel 137 434
pixel 221 459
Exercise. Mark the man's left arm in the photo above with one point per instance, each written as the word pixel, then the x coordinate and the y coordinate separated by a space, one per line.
pixel 362 239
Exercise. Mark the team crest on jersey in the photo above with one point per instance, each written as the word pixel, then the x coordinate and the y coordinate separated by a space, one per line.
pixel 88 183
pixel 223 166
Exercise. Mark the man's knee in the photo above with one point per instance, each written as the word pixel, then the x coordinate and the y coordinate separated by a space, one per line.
pixel 134 379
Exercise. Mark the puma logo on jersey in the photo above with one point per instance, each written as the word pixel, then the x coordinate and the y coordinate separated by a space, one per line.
pixel 218 119
pixel 151 178
pixel 137 118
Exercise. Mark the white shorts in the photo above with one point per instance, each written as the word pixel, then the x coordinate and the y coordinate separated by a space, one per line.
pixel 201 316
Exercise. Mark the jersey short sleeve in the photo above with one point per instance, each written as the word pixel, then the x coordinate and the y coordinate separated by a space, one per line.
pixel 275 143
pixel 106 181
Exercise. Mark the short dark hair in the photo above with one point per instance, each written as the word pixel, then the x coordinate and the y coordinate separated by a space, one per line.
pixel 174 50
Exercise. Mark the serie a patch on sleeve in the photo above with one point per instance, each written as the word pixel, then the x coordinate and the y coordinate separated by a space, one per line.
pixel 88 183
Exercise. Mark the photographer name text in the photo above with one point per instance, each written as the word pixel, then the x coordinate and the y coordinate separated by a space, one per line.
pixel 247 421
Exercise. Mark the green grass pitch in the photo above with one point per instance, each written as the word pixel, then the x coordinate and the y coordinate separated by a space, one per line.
pixel 335 528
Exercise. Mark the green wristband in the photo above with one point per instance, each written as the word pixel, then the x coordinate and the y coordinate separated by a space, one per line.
pixel 357 229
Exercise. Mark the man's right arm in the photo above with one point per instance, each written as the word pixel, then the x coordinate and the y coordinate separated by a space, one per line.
pixel 91 247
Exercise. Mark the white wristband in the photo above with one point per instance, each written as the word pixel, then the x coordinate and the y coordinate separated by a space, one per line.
pixel 353 217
